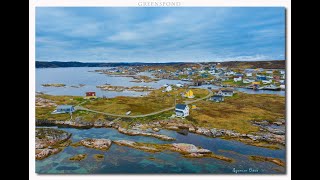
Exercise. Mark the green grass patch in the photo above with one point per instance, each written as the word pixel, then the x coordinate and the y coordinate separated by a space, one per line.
pixel 235 113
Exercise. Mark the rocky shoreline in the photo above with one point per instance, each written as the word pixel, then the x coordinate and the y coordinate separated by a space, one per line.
pixel 268 159
pixel 267 136
pixel 132 132
pixel 50 141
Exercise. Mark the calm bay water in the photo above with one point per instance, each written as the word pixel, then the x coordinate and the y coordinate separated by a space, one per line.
pixel 81 75
pixel 121 159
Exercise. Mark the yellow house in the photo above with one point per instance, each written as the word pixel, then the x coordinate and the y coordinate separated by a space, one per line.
pixel 256 83
pixel 193 107
pixel 189 94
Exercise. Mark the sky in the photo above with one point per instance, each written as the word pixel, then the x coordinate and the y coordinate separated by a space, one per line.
pixel 136 34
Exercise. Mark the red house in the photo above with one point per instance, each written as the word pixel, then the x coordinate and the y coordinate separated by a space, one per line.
pixel 90 95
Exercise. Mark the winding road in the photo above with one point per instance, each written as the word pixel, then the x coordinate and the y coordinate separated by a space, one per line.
pixel 78 107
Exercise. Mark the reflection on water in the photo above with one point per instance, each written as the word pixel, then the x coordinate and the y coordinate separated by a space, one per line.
pixel 121 159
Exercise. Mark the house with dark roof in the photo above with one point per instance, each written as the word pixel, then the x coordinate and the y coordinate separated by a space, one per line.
pixel 182 110
pixel 63 109
pixel 217 98
pixel 225 93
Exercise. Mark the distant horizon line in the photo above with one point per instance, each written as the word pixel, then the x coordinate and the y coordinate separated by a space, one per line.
pixel 168 61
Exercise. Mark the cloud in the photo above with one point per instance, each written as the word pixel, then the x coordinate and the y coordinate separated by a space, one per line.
pixel 124 36
pixel 159 34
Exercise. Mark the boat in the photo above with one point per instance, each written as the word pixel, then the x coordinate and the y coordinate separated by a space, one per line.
pixel 129 112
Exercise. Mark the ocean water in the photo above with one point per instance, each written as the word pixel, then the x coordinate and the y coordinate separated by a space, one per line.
pixel 123 160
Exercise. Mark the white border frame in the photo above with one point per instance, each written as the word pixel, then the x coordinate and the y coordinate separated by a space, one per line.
pixel 134 3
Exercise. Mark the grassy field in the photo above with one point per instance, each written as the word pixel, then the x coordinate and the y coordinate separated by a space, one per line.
pixel 236 112
pixel 155 101
pixel 45 112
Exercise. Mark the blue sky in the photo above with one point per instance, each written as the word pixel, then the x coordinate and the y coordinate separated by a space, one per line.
pixel 159 34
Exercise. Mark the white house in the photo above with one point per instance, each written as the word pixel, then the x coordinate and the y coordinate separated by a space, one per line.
pixel 230 73
pixel 249 74
pixel 269 71
pixel 237 79
pixel 246 81
pixel 267 81
pixel 282 72
pixel 259 70
pixel 182 110
pixel 281 81
pixel 168 89
pixel 212 72
pixel 225 93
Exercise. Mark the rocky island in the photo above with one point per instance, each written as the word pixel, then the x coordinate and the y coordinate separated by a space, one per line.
pixel 99 144
pixel 187 150
pixel 78 157
pixel 54 85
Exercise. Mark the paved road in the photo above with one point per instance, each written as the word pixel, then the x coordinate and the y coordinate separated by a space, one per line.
pixel 144 115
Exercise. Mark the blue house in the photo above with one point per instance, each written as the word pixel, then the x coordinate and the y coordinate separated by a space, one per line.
pixel 260 78
pixel 63 109
pixel 204 75
pixel 239 75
